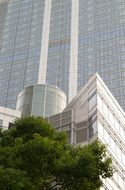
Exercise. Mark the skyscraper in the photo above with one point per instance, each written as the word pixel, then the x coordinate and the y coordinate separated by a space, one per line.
pixel 20 46
pixel 62 43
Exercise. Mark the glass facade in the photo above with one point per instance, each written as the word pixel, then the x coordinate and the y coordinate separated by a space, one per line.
pixel 41 100
pixel 99 32
pixel 102 44
pixel 20 47
pixel 59 45
pixel 62 122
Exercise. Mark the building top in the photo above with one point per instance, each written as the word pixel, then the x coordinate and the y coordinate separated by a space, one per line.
pixel 41 100
pixel 42 85
pixel 99 85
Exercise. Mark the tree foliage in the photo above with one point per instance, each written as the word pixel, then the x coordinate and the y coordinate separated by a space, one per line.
pixel 33 156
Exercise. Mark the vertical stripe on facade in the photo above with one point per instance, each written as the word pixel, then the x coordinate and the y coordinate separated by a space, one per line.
pixel 73 50
pixel 45 41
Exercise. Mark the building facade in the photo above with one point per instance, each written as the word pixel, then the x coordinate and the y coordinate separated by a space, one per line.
pixel 7 117
pixel 20 46
pixel 41 100
pixel 61 43
pixel 95 114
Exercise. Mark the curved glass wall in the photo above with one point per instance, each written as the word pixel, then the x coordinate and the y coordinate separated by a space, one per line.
pixel 41 100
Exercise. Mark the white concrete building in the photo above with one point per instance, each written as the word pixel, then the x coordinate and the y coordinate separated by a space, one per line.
pixel 7 117
pixel 95 114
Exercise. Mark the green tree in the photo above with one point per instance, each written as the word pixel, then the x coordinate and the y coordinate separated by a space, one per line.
pixel 33 156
